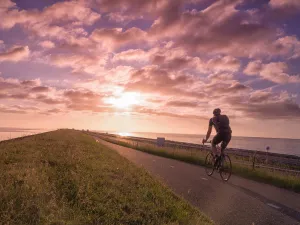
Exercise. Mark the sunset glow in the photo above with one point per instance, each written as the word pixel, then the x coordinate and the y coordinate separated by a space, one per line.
pixel 125 100
pixel 159 66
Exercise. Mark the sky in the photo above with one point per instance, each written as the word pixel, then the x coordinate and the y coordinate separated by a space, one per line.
pixel 151 66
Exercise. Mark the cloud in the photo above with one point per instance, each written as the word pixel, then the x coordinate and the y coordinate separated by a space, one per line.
pixel 81 95
pixel 52 111
pixel 30 83
pixel 6 4
pixel 120 17
pixel 148 111
pixel 272 110
pixel 274 71
pixel 48 100
pixel 68 11
pixel 182 104
pixel 85 100
pixel 226 63
pixel 15 54
pixel 132 55
pixel 289 46
pixel 4 109
pixel 30 90
pixel 220 77
pixel 17 109
pixel 120 9
pixel 80 62
pixel 230 88
pixel 40 89
pixel 47 44
pixel 284 4
pixel 115 37
pixel 19 96
pixel 15 85
pixel 8 84
pixel 175 63
pixel 224 30
pixel 260 96
pixel 154 80
pixel 60 21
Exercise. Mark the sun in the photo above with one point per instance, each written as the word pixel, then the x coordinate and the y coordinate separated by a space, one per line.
pixel 125 100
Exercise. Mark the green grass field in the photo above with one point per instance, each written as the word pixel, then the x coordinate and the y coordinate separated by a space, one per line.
pixel 278 179
pixel 65 177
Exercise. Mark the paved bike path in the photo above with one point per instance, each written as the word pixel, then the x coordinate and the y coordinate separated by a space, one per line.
pixel 239 201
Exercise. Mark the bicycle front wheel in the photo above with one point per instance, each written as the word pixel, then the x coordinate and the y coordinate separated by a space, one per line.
pixel 209 164
pixel 225 168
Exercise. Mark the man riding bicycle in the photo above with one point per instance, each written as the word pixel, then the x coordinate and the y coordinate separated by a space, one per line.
pixel 221 124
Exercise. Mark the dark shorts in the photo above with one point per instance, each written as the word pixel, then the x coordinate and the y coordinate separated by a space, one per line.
pixel 223 137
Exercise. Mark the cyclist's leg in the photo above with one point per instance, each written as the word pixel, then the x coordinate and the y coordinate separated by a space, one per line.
pixel 216 140
pixel 226 137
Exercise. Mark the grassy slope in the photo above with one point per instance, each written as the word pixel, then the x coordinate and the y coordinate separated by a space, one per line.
pixel 65 177
pixel 284 181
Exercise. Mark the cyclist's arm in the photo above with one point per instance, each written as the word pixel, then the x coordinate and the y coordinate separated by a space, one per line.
pixel 208 132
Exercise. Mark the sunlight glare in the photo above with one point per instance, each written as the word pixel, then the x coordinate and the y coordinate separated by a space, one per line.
pixel 124 134
pixel 125 100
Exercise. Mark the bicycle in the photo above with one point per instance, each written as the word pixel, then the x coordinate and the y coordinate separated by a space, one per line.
pixel 222 164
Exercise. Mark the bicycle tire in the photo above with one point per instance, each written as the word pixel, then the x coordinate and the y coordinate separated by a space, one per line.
pixel 226 168
pixel 209 164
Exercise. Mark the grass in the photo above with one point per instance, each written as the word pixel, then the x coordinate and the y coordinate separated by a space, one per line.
pixel 65 177
pixel 278 179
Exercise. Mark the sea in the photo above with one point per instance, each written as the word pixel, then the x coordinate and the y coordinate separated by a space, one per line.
pixel 276 145
pixel 7 133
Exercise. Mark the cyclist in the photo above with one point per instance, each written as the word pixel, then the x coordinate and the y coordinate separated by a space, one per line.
pixel 221 124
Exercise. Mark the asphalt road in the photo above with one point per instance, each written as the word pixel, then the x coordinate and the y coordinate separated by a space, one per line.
pixel 236 202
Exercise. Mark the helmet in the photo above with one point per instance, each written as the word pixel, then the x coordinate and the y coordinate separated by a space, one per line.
pixel 217 111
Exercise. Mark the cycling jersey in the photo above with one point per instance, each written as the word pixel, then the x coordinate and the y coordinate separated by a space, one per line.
pixel 220 123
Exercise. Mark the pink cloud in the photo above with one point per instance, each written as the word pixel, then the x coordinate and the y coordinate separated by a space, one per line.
pixel 8 84
pixel 115 37
pixel 59 12
pixel 226 63
pixel 48 100
pixel 220 77
pixel 224 29
pixel 289 46
pixel 284 3
pixel 120 9
pixel 130 55
pixel 30 83
pixel 85 62
pixel 40 89
pixel 275 71
pixel 148 111
pixel 81 95
pixel 154 80
pixel 47 44
pixel 5 109
pixel 122 18
pixel 6 4
pixel 228 87
pixel 182 104
pixel 260 96
pixel 15 54
pixel 272 110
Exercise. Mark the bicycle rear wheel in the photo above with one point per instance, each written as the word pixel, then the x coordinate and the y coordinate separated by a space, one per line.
pixel 209 164
pixel 225 168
